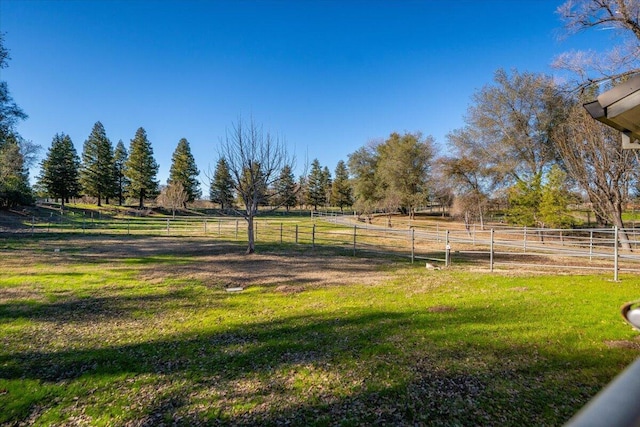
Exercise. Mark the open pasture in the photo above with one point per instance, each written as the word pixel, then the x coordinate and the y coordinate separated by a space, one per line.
pixel 130 330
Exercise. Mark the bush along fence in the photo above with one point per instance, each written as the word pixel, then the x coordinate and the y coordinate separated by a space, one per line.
pixel 603 249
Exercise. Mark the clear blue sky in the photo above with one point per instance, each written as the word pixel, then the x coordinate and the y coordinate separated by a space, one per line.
pixel 326 75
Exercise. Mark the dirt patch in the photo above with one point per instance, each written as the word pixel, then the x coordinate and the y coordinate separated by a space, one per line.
pixel 631 345
pixel 214 263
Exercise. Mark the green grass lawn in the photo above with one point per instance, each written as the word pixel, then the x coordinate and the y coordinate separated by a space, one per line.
pixel 93 336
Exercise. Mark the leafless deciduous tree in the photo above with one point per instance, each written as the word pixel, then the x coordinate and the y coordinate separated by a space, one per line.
pixel 594 158
pixel 255 159
pixel 618 18
pixel 173 197
pixel 473 181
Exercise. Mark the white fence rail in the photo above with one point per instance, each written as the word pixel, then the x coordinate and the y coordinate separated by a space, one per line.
pixel 586 249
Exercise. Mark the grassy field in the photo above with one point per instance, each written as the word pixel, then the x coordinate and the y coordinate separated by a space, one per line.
pixel 98 330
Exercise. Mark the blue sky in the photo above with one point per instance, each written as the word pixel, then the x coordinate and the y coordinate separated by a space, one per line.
pixel 327 76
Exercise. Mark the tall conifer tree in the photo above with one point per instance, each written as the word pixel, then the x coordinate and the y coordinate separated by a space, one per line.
pixel 221 189
pixel 341 194
pixel 285 188
pixel 59 174
pixel 141 168
pixel 316 185
pixel 120 157
pixel 97 170
pixel 185 171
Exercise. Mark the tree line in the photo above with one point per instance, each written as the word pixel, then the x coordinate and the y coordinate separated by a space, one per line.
pixel 527 147
pixel 105 172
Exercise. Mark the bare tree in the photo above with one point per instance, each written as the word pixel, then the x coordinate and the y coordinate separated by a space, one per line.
pixel 473 179
pixel 173 196
pixel 594 158
pixel 618 18
pixel 255 160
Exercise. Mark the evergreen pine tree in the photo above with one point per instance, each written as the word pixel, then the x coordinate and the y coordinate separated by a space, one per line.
pixel 285 189
pixel 524 202
pixel 554 200
pixel 141 168
pixel 326 184
pixel 316 189
pixel 97 169
pixel 221 188
pixel 59 173
pixel 120 157
pixel 184 170
pixel 341 193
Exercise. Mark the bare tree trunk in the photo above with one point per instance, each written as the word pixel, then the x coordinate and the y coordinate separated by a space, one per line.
pixel 251 247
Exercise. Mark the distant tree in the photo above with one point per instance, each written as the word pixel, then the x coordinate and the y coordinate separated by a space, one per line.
pixel 59 172
pixel 301 192
pixel 184 170
pixel 403 166
pixel 316 186
pixel 255 160
pixel 524 202
pixel 141 168
pixel 363 164
pixel 327 182
pixel 473 181
pixel 120 157
pixel 221 187
pixel 554 201
pixel 97 167
pixel 254 177
pixel 511 123
pixel 285 189
pixel 341 194
pixel 173 197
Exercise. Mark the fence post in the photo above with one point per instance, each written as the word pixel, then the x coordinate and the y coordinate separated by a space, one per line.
pixel 313 237
pixel 280 233
pixel 447 248
pixel 296 234
pixel 413 245
pixel 615 254
pixel 491 252
pixel 168 220
pixel 474 234
pixel 590 245
pixel 236 229
pixel 355 232
pixel 219 227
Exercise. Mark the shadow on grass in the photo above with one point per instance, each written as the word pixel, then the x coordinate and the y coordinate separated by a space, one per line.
pixel 425 378
pixel 95 308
